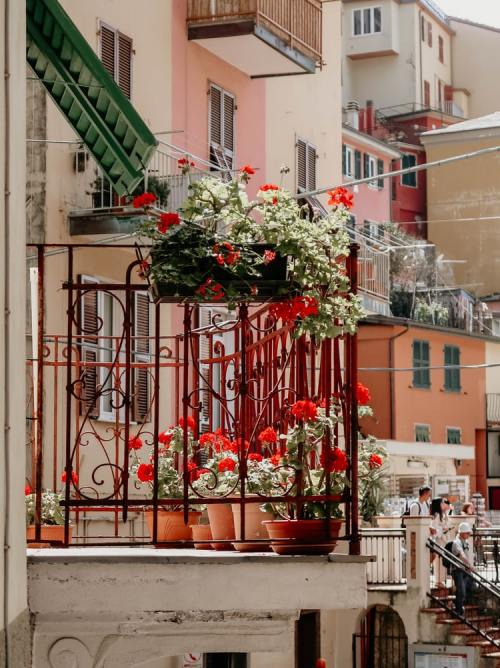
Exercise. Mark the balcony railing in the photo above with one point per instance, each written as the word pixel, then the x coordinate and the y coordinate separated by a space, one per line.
pixel 388 545
pixel 297 24
pixel 493 408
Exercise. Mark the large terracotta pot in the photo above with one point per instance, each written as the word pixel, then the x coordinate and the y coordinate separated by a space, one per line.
pixel 254 528
pixel 171 527
pixel 50 533
pixel 303 536
pixel 221 521
pixel 202 532
pixel 388 521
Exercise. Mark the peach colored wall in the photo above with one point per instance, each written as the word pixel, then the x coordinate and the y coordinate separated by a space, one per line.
pixel 193 69
pixel 433 406
pixel 369 203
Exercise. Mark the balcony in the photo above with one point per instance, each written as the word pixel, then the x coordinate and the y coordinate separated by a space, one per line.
pixel 493 409
pixel 259 37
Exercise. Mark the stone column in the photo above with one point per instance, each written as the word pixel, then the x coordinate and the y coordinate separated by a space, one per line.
pixel 417 556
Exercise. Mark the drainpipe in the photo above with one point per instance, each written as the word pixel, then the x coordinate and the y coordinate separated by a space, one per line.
pixel 420 57
pixel 391 377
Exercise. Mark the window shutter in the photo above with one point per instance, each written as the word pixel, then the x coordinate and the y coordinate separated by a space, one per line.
pixel 357 164
pixel 141 349
pixel 124 78
pixel 366 167
pixel 88 327
pixel 452 376
pixel 108 49
pixel 215 124
pixel 301 165
pixel 421 373
pixel 344 159
pixel 228 126
pixel 311 167
pixel 429 33
pixel 380 170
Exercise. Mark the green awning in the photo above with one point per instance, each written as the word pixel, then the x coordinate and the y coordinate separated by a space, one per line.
pixel 86 94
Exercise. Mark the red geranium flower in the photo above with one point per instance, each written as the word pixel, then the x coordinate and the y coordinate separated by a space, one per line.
pixel 146 199
pixel 255 457
pixel 275 460
pixel 268 435
pixel 146 472
pixel 165 438
pixel 234 446
pixel 143 269
pixel 334 460
pixel 363 395
pixel 182 163
pixel 247 169
pixel 269 186
pixel 191 424
pixel 341 196
pixel 297 307
pixel 305 410
pixel 27 490
pixel 135 443
pixel 213 291
pixel 167 220
pixel 74 477
pixel 269 256
pixel 375 461
pixel 226 464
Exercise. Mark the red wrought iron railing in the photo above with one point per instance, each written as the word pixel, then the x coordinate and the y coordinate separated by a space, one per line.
pixel 117 375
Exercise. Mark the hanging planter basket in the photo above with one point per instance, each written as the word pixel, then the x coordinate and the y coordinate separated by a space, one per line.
pixel 274 282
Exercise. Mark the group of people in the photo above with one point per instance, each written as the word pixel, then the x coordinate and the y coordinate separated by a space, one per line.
pixel 439 510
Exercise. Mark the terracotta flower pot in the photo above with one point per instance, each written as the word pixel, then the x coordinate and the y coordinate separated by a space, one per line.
pixel 303 536
pixel 222 524
pixel 202 532
pixel 254 527
pixel 171 527
pixel 50 533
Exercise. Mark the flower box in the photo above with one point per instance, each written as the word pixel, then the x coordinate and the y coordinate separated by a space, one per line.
pixel 274 281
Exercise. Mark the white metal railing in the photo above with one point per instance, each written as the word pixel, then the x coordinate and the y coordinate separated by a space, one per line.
pixel 373 272
pixel 388 546
pixel 452 109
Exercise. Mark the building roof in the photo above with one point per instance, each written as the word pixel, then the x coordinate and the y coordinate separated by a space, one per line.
pixel 367 139
pixel 481 123
pixel 484 26
pixel 391 321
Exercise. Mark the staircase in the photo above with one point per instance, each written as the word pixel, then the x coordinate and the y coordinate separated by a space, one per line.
pixel 479 626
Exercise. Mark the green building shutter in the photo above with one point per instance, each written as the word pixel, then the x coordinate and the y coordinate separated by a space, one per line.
pixel 421 371
pixel 452 376
pixel 87 96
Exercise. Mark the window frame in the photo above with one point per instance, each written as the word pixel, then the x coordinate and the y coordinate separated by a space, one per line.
pixel 372 171
pixel 456 430
pixel 427 94
pixel 228 155
pixel 441 49
pixel 422 425
pixel 361 12
pixel 452 375
pixel 116 65
pixel 429 34
pixel 419 369
pixel 308 147
pixel 411 174
pixel 349 159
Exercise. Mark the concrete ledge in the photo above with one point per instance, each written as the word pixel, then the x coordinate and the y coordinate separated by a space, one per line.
pixel 168 556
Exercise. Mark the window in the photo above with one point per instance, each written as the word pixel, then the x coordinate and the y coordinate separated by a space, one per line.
pixel 367 21
pixel 409 180
pixel 306 166
pixel 225 660
pixel 452 376
pixel 421 372
pixel 422 28
pixel 441 49
pixel 429 34
pixel 221 128
pixel 427 95
pixel 493 454
pixel 370 169
pixel 380 170
pixel 99 321
pixel 454 435
pixel 347 160
pixel 116 56
pixel 373 230
pixel 422 433
pixel 351 223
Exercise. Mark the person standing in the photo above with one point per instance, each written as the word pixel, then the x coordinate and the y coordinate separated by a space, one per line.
pixel 439 529
pixel 462 577
pixel 421 506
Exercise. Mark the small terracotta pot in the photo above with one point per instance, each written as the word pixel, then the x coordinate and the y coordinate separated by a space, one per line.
pixel 254 527
pixel 50 533
pixel 221 524
pixel 303 536
pixel 171 527
pixel 202 532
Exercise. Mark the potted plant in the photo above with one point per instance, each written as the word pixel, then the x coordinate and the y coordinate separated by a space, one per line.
pixel 372 482
pixel 224 248
pixel 170 517
pixel 52 517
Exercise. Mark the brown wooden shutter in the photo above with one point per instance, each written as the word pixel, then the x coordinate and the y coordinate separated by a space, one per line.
pixel 215 121
pixel 301 165
pixel 311 167
pixel 108 49
pixel 141 353
pixel 124 78
pixel 88 321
